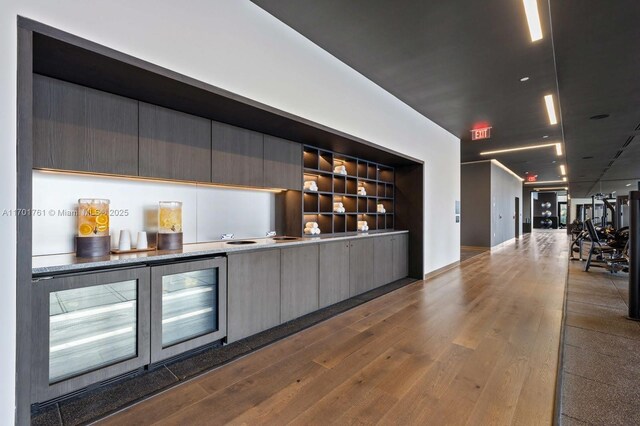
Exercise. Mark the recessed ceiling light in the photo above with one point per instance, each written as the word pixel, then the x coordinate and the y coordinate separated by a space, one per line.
pixel 543 182
pixel 520 148
pixel 523 79
pixel 628 184
pixel 533 19
pixel 563 170
pixel 545 136
pixel 558 149
pixel 599 117
pixel 554 162
pixel 551 109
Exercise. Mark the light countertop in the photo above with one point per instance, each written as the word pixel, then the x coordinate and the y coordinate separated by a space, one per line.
pixel 68 262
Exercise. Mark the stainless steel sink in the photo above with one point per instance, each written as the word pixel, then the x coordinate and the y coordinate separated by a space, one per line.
pixel 285 238
pixel 240 242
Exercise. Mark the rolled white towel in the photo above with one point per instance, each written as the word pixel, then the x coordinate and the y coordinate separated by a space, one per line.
pixel 309 231
pixel 311 225
pixel 316 231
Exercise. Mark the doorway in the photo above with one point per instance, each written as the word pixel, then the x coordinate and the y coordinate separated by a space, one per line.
pixel 517 217
pixel 562 214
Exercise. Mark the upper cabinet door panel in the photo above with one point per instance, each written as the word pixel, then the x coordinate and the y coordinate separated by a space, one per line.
pixel 236 156
pixel 82 129
pixel 174 145
pixel 282 163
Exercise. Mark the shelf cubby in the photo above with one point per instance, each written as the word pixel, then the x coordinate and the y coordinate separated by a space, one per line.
pixel 352 186
pixel 372 172
pixel 310 158
pixel 325 203
pixel 389 221
pixel 325 160
pixel 385 174
pixel 388 205
pixel 372 205
pixel 351 164
pixel 377 180
pixel 362 169
pixel 324 181
pixel 339 184
pixel 310 201
pixel 352 223
pixel 339 223
pixel 362 204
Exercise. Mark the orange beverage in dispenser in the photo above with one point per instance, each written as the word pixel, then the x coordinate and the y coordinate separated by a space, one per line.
pixel 93 217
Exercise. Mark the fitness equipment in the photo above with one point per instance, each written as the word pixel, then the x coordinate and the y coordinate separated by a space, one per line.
pixel 546 223
pixel 602 253
pixel 546 205
pixel 546 213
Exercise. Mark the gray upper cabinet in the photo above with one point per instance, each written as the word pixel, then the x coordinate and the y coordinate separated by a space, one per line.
pixel 382 260
pixel 361 266
pixel 253 293
pixel 299 282
pixel 237 156
pixel 400 256
pixel 82 129
pixel 282 163
pixel 174 145
pixel 334 273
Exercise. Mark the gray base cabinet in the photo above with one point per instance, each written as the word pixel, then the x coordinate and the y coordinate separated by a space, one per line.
pixel 253 293
pixel 89 328
pixel 334 273
pixel 299 282
pixel 400 256
pixel 361 266
pixel 382 260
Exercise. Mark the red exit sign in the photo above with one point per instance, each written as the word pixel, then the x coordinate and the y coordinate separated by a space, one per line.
pixel 531 178
pixel 480 133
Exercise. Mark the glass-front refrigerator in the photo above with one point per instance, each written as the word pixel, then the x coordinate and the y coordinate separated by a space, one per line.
pixel 92 326
pixel 188 306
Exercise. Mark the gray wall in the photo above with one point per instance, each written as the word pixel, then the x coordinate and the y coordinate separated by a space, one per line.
pixel 504 189
pixel 475 204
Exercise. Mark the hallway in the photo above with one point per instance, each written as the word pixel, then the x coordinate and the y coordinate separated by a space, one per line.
pixel 475 345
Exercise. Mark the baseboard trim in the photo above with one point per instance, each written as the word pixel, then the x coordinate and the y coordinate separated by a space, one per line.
pixel 439 271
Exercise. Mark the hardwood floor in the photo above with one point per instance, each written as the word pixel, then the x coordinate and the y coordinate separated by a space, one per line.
pixel 475 345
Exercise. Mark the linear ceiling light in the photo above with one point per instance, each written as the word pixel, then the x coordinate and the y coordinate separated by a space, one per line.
pixel 563 169
pixel 542 182
pixel 559 149
pixel 551 109
pixel 533 19
pixel 520 148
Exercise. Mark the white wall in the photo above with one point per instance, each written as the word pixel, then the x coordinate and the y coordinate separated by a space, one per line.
pixel 505 187
pixel 237 46
pixel 207 212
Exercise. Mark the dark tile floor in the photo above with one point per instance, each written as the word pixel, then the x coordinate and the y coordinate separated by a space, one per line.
pixel 601 359
pixel 93 404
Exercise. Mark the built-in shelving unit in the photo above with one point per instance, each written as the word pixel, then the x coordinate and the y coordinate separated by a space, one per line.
pixel 318 206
